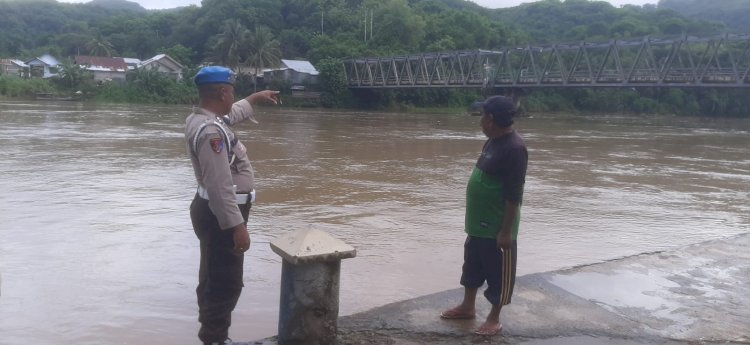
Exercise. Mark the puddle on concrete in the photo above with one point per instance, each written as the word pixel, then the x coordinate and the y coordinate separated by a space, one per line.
pixel 584 340
pixel 619 288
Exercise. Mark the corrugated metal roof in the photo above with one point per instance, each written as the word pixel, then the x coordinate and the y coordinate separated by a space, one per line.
pixel 132 61
pixel 159 57
pixel 49 60
pixel 100 63
pixel 155 58
pixel 18 63
pixel 102 69
pixel 300 66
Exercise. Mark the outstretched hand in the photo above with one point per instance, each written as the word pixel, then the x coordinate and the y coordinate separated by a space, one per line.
pixel 265 96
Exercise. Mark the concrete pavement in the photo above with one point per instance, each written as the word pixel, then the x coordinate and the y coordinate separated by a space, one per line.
pixel 699 294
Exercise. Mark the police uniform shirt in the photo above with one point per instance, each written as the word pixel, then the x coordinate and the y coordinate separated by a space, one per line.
pixel 219 160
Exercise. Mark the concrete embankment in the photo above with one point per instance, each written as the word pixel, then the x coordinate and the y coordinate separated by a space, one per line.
pixel 699 294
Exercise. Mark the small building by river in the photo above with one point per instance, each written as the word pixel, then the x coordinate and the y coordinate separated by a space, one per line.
pixel 295 72
pixel 164 64
pixel 14 68
pixel 44 66
pixel 104 68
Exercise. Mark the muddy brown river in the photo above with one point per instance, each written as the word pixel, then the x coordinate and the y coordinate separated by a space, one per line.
pixel 96 245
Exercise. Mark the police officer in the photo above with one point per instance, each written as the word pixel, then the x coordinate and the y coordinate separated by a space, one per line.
pixel 225 194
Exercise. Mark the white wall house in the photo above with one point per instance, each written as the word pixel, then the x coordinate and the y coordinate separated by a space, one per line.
pixel 44 66
pixel 13 68
pixel 293 71
pixel 163 63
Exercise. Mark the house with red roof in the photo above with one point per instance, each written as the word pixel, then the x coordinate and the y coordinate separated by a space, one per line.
pixel 104 68
pixel 115 68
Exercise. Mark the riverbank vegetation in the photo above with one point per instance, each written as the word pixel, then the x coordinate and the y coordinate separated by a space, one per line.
pixel 249 35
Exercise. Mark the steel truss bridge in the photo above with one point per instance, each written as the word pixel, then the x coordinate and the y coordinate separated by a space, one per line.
pixel 712 62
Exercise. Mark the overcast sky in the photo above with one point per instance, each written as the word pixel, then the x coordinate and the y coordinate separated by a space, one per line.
pixel 160 4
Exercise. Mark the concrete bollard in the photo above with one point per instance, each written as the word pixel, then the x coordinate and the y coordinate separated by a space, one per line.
pixel 309 303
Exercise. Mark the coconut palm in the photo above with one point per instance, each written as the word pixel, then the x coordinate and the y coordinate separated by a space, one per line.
pixel 265 51
pixel 99 46
pixel 229 43
pixel 148 80
pixel 72 75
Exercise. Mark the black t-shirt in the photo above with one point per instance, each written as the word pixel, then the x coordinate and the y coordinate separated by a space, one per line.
pixel 506 159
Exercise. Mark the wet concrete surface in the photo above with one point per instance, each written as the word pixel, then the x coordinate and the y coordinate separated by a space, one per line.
pixel 699 294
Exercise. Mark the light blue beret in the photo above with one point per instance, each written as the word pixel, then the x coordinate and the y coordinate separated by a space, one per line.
pixel 214 75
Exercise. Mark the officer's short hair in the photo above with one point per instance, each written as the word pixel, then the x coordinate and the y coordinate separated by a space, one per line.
pixel 210 90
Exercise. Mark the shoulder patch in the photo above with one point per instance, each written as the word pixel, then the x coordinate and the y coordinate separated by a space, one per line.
pixel 217 144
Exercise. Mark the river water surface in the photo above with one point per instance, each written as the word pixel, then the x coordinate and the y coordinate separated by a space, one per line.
pixel 96 245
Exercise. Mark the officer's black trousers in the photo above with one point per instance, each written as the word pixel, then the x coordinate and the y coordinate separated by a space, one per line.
pixel 220 275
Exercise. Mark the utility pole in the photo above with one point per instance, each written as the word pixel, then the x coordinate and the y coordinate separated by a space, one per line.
pixel 321 22
pixel 372 18
pixel 365 25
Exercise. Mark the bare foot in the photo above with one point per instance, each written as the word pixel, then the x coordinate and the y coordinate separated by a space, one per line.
pixel 489 328
pixel 458 313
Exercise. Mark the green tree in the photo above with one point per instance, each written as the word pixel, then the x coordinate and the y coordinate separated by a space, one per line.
pixel 333 83
pixel 264 51
pixel 230 44
pixel 445 43
pixel 197 34
pixel 399 26
pixel 99 46
pixel 180 53
pixel 338 46
pixel 673 26
pixel 463 30
pixel 294 44
pixel 71 75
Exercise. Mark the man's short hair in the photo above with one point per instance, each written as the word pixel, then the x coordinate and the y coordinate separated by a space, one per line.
pixel 210 90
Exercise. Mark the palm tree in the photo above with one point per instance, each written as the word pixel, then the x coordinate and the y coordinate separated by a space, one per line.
pixel 230 43
pixel 72 75
pixel 265 51
pixel 148 80
pixel 99 46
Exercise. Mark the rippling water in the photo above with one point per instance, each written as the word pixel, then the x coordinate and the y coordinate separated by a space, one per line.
pixel 97 246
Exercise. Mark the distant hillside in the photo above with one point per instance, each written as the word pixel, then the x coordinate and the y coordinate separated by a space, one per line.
pixel 574 20
pixel 120 5
pixel 733 13
pixel 123 28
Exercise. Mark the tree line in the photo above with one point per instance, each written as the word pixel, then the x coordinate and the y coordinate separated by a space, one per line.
pixel 249 35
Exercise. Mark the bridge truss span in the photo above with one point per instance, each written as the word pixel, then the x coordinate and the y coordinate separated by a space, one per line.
pixel 721 61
